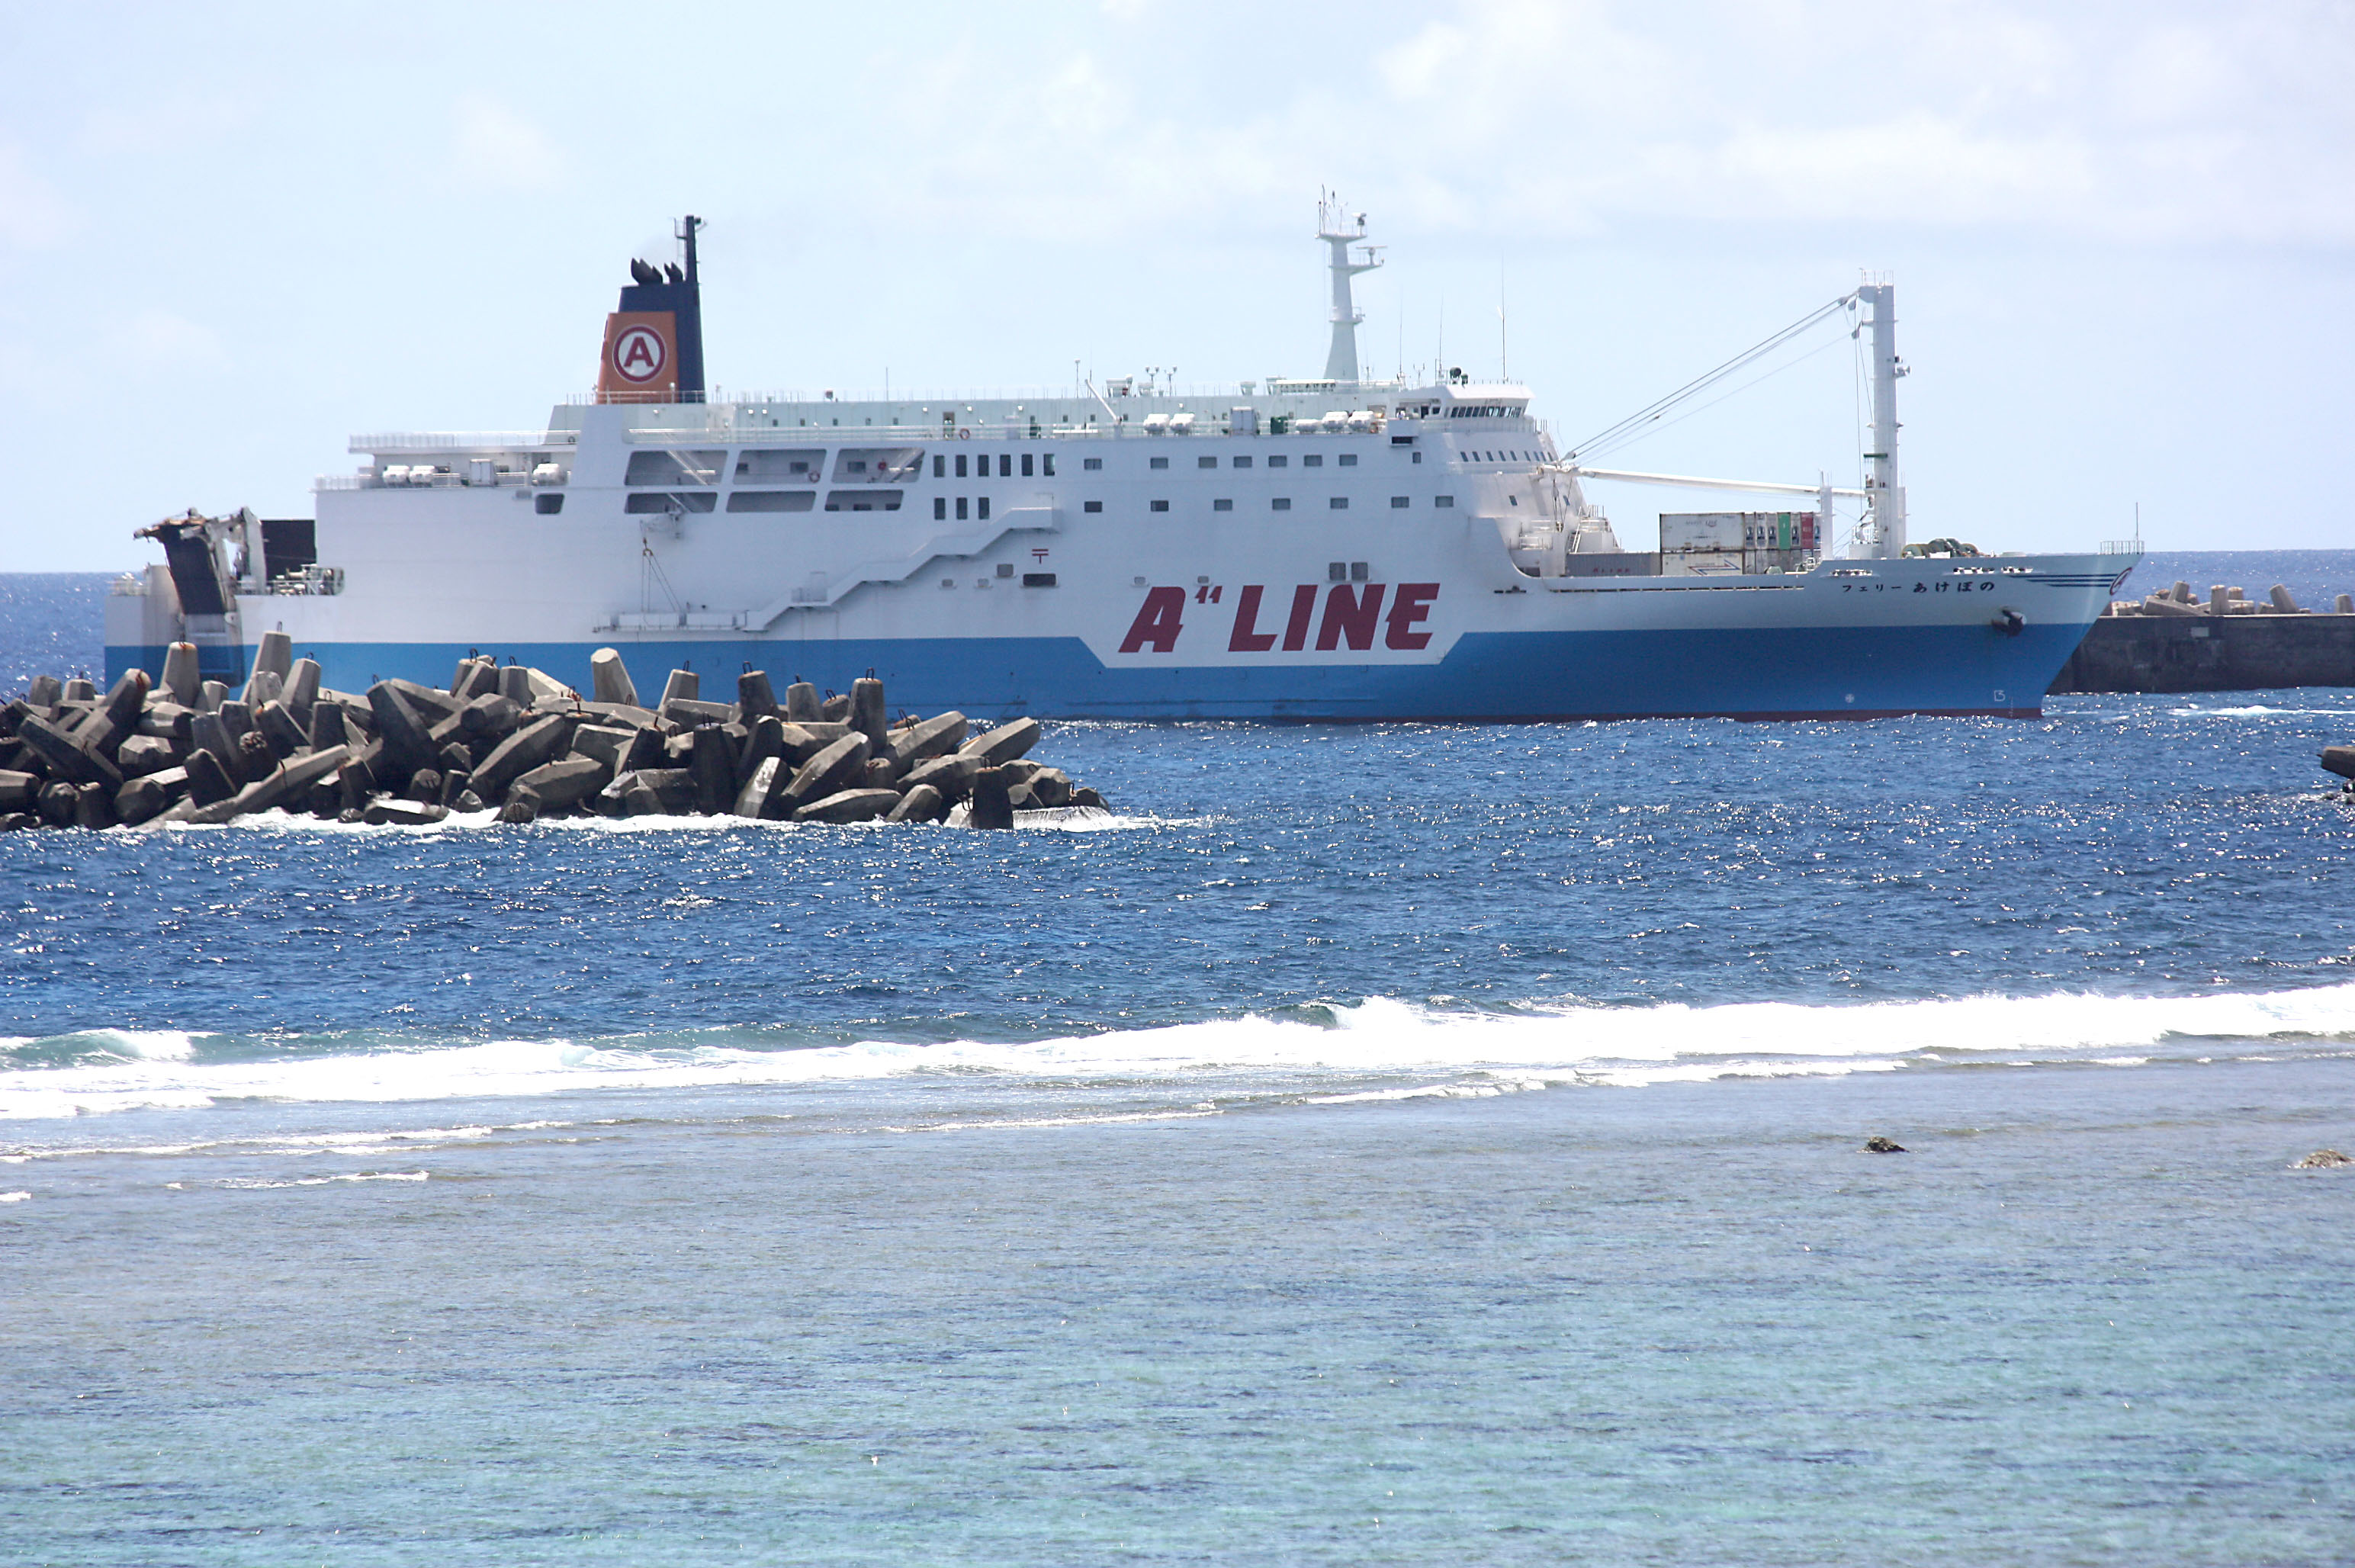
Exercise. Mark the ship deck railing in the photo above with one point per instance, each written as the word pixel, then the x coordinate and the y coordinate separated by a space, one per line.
pixel 993 430
pixel 460 440
pixel 932 400
pixel 460 444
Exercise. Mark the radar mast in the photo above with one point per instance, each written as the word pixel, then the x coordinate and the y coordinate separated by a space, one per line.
pixel 1336 227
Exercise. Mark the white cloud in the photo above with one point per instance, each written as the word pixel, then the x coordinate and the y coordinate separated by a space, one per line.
pixel 1056 143
pixel 174 120
pixel 2128 124
pixel 1919 168
pixel 2169 122
pixel 152 339
pixel 2172 76
pixel 494 149
pixel 32 215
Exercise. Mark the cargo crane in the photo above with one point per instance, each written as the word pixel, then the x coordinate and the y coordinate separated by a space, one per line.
pixel 1881 532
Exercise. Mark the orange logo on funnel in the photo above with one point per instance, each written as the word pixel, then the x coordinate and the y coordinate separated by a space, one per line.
pixel 639 365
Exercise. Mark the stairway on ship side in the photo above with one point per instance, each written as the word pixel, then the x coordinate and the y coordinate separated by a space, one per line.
pixel 825 589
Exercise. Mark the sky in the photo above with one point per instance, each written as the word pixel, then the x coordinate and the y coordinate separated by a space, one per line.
pixel 2122 236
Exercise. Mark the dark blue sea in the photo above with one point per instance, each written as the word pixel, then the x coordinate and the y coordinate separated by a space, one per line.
pixel 1378 1144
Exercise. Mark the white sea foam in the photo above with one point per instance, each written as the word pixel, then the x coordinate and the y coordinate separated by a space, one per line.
pixel 1190 1114
pixel 1381 1038
pixel 1081 819
pixel 251 1184
pixel 356 1145
pixel 14 1197
pixel 2260 713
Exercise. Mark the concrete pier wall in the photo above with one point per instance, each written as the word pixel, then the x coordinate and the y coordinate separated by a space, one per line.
pixel 2204 653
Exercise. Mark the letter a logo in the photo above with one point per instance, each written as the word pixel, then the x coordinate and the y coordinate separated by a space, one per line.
pixel 639 355
pixel 1158 622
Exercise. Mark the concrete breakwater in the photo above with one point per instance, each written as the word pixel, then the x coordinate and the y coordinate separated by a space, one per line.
pixel 2340 760
pixel 2175 641
pixel 509 738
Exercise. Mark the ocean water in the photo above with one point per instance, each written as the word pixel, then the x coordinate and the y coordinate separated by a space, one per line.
pixel 51 623
pixel 1391 1144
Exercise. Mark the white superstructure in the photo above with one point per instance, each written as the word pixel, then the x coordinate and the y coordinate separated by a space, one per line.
pixel 1338 547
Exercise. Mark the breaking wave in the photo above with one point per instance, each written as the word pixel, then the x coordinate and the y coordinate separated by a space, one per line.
pixel 1378 1049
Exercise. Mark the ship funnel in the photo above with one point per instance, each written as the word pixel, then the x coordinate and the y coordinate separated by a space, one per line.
pixel 654 339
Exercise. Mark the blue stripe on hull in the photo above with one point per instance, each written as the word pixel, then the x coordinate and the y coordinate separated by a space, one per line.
pixel 1813 672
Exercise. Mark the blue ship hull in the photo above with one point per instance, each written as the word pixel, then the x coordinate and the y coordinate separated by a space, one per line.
pixel 1832 672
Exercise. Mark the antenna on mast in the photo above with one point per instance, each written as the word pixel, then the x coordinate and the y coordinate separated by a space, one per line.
pixel 1504 361
pixel 1336 228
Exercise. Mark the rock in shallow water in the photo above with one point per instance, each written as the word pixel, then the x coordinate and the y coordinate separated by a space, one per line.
pixel 402 813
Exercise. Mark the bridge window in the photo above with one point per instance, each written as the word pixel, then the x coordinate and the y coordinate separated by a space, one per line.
pixel 1091 505
pixel 1279 460
pixel 1400 503
pixel 1160 506
pixel 1242 462
pixel 1088 465
pixel 770 465
pixel 960 472
pixel 682 500
pixel 939 508
pixel 1313 460
pixel 878 465
pixel 1281 503
pixel 1338 504
pixel 863 500
pixel 675 467
pixel 1348 459
pixel 962 508
pixel 771 500
pixel 940 467
pixel 1158 463
pixel 1443 501
pixel 1206 463
pixel 1026 460
pixel 548 506
pixel 1222 505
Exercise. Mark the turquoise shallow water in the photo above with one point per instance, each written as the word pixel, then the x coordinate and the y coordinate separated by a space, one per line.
pixel 1388 1144
pixel 2089 1319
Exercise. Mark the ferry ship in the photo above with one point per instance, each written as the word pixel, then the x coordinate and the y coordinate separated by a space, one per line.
pixel 1326 549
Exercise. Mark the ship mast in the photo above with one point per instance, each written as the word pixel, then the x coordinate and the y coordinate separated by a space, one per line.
pixel 1334 227
pixel 1884 534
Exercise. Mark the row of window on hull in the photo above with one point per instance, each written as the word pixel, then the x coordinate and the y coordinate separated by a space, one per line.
pixel 1043 466
pixel 1275 503
pixel 1243 460
pixel 700 501
pixel 873 466
pixel 896 465
pixel 968 508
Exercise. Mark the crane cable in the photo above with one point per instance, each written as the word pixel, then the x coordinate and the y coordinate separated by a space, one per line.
pixel 1651 412
pixel 1755 381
